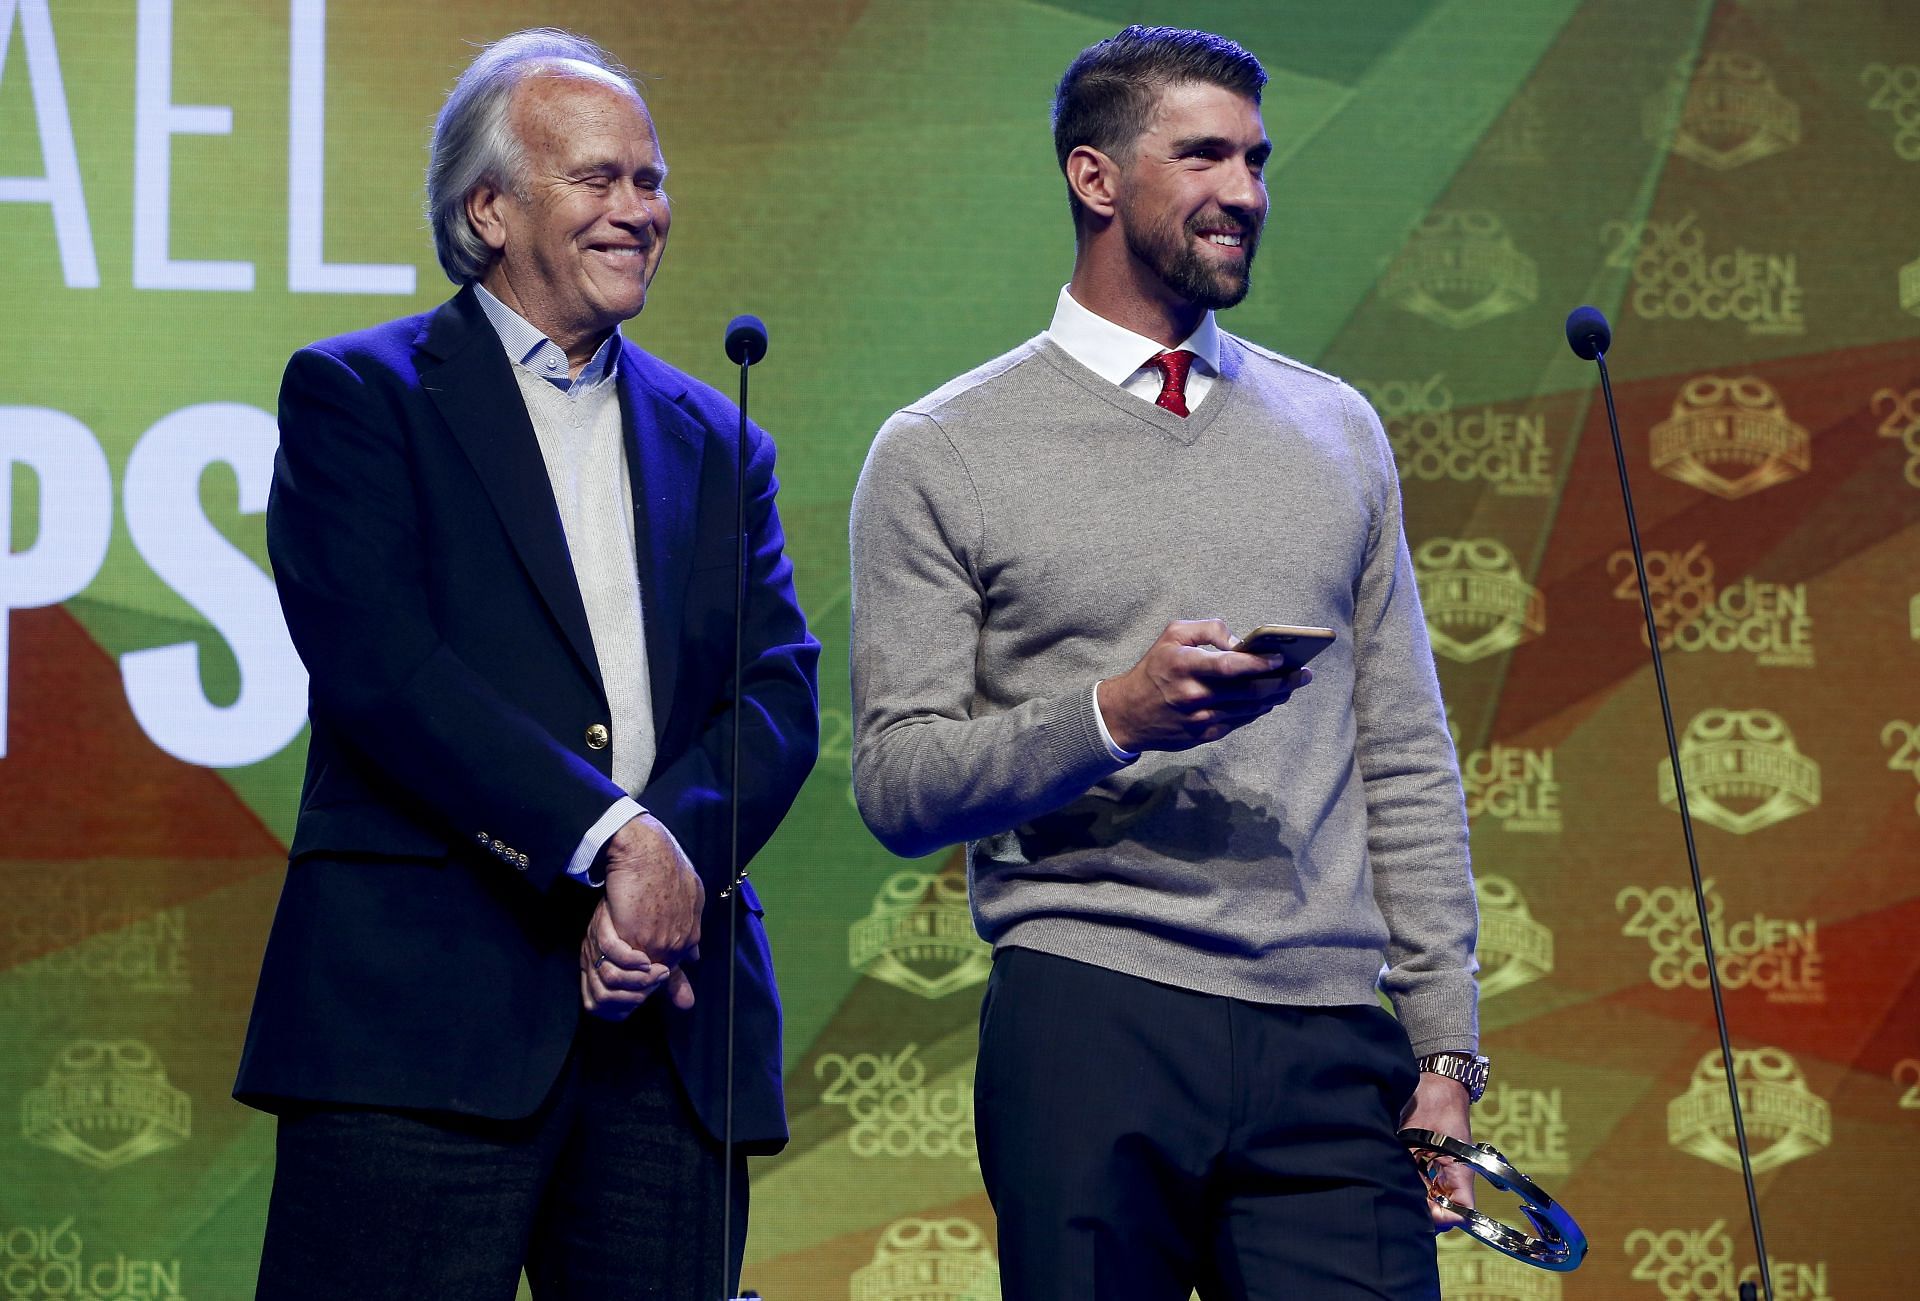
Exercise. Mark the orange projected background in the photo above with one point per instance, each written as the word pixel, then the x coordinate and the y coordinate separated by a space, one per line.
pixel 190 190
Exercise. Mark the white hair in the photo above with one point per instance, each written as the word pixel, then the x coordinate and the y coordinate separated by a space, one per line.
pixel 474 141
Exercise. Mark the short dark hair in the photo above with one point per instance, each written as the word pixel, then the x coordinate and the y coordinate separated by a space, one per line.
pixel 1110 89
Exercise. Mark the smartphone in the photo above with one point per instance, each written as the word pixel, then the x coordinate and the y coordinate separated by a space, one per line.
pixel 1298 645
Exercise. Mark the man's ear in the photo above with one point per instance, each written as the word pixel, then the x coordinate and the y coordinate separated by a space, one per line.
pixel 484 211
pixel 1094 178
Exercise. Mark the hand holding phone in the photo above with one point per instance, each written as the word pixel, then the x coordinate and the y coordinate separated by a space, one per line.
pixel 1179 695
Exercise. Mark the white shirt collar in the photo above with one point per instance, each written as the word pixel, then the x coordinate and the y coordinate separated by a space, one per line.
pixel 538 355
pixel 1114 352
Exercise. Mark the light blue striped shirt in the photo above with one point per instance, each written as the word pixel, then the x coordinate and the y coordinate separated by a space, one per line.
pixel 536 354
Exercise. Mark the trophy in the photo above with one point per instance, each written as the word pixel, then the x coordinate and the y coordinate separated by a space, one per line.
pixel 1560 1246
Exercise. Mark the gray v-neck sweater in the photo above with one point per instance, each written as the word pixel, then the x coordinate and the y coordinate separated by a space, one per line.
pixel 1029 529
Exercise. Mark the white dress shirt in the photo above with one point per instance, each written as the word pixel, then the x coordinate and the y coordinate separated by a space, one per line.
pixel 1121 357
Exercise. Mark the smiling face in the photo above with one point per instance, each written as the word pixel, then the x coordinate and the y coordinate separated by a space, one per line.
pixel 1192 200
pixel 581 234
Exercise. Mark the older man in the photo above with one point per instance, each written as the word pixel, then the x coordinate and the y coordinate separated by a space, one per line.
pixel 493 1013
pixel 1193 862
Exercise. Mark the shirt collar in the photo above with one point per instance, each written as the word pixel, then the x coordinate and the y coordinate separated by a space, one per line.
pixel 1114 352
pixel 540 356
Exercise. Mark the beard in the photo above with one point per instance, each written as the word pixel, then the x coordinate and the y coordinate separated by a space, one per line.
pixel 1171 254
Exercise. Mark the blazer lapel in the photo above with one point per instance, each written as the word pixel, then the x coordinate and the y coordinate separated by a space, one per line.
pixel 664 447
pixel 473 386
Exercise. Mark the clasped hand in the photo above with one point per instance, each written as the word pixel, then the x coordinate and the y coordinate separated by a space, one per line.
pixel 645 926
pixel 1190 688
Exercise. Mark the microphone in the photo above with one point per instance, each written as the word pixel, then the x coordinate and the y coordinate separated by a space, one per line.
pixel 746 344
pixel 1588 333
pixel 747 340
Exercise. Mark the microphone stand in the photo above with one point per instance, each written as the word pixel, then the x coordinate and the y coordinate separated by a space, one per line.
pixel 746 344
pixel 1589 335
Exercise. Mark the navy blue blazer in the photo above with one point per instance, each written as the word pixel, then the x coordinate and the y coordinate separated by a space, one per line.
pixel 425 950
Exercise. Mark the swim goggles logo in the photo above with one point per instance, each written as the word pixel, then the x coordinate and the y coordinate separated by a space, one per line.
pixel 929 1260
pixel 1477 604
pixel 1785 1120
pixel 1743 771
pixel 1459 269
pixel 1475 1274
pixel 1730 437
pixel 106 1103
pixel 1514 949
pixel 919 936
pixel 1726 115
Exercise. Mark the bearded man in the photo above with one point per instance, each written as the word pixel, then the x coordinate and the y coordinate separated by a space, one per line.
pixel 1193 863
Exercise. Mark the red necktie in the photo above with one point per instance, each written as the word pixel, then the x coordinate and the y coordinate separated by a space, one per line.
pixel 1173 389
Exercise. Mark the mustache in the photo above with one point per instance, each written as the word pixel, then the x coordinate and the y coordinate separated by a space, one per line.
pixel 1224 222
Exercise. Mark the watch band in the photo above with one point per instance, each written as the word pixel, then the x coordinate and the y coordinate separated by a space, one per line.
pixel 1468 1069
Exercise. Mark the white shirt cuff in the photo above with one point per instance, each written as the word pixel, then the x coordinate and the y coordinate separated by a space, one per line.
pixel 623 811
pixel 1119 755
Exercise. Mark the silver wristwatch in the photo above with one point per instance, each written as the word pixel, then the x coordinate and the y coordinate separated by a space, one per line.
pixel 1467 1068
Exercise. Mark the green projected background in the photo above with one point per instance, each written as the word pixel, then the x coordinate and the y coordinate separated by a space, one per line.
pixel 190 189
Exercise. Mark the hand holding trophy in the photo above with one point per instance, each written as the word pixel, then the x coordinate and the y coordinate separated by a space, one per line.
pixel 1560 1246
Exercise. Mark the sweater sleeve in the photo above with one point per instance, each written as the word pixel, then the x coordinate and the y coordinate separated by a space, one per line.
pixel 927 772
pixel 1416 812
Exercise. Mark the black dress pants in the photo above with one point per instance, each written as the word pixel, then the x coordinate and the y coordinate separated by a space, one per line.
pixel 1139 1141
pixel 612 1191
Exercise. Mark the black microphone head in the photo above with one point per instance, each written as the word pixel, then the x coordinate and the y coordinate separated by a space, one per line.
pixel 746 340
pixel 1588 333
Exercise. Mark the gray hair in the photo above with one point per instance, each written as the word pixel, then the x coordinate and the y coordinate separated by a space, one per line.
pixel 474 141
